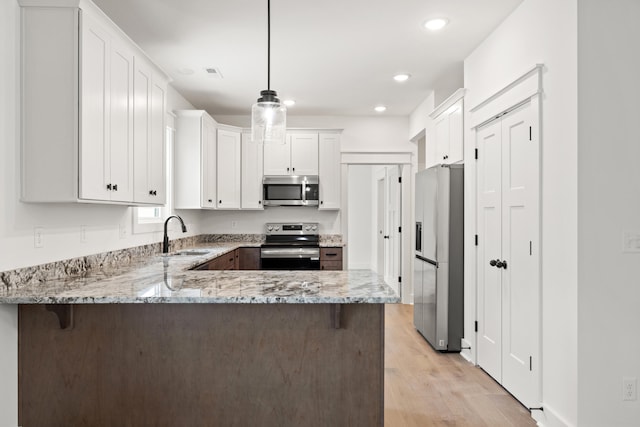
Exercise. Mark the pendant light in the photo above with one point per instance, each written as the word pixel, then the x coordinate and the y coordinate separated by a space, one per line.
pixel 268 115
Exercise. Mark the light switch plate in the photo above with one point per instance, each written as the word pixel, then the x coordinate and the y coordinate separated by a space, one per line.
pixel 631 242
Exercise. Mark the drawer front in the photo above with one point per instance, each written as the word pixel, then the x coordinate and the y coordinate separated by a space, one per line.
pixel 330 265
pixel 331 254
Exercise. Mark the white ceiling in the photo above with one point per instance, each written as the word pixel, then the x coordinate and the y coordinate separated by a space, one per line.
pixel 334 57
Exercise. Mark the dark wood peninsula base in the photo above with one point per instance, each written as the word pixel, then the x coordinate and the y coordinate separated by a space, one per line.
pixel 202 365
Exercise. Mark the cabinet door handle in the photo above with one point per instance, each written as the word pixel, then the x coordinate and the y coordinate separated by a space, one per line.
pixel 331 254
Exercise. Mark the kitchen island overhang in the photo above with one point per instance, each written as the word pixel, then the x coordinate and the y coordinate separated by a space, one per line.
pixel 162 345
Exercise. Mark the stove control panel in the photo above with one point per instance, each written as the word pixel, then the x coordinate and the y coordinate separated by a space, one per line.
pixel 296 228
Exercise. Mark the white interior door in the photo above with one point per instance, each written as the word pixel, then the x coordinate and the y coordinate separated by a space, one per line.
pixel 508 228
pixel 489 248
pixel 519 235
pixel 394 221
pixel 381 240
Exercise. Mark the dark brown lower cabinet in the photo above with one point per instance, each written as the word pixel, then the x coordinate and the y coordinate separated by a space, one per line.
pixel 238 259
pixel 331 258
pixel 202 365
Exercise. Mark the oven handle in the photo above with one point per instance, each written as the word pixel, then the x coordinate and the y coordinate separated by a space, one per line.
pixel 312 253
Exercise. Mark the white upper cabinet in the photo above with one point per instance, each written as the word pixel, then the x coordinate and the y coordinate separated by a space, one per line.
pixel 298 156
pixel 195 154
pixel 149 135
pixel 448 130
pixel 251 180
pixel 329 171
pixel 304 153
pixel 277 158
pixel 78 93
pixel 228 170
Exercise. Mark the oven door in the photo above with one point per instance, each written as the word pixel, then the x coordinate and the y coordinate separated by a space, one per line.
pixel 290 258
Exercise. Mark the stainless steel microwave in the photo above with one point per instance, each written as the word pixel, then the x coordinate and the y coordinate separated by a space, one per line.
pixel 300 190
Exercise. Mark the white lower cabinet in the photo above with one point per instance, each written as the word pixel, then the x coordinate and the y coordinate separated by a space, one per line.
pixel 251 171
pixel 329 175
pixel 195 154
pixel 79 136
pixel 228 168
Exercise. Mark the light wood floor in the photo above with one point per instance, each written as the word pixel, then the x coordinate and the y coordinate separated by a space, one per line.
pixel 426 388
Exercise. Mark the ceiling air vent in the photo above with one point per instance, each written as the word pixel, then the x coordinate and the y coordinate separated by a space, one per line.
pixel 213 72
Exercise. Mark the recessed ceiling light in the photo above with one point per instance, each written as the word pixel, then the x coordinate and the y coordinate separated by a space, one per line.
pixel 402 77
pixel 436 24
pixel 289 102
pixel 380 108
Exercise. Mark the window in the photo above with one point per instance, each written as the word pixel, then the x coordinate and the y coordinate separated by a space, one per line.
pixel 150 219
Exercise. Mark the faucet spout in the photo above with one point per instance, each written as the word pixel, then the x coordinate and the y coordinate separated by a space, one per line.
pixel 165 241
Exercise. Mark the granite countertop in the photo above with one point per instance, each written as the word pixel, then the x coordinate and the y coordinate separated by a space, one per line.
pixel 168 279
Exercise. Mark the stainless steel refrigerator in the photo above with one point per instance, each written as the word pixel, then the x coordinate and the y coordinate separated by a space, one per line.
pixel 438 278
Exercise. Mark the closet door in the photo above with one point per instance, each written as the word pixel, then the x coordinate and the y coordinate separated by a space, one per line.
pixel 489 141
pixel 508 252
pixel 520 278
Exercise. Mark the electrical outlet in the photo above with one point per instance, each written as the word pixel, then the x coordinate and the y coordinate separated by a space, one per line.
pixel 83 234
pixel 629 388
pixel 441 343
pixel 38 237
pixel 123 231
pixel 234 224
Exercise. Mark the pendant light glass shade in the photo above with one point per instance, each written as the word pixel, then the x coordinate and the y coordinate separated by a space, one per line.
pixel 268 115
pixel 268 119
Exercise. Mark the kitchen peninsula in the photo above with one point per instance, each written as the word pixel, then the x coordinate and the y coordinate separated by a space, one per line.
pixel 157 343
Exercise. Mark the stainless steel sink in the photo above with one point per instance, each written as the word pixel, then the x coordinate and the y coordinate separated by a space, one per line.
pixel 193 252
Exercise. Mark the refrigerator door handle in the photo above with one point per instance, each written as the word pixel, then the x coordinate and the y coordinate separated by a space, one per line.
pixel 418 237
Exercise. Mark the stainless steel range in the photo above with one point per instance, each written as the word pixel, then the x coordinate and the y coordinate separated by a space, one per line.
pixel 291 246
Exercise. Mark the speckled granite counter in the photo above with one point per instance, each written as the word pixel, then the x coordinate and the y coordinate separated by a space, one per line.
pixel 168 279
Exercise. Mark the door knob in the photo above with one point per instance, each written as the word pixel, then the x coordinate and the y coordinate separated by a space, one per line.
pixel 493 262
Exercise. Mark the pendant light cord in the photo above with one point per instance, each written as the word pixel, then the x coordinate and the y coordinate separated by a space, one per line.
pixel 268 44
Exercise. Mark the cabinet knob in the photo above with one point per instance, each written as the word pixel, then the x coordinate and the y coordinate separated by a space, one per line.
pixel 259 202
pixel 115 187
pixel 220 201
pixel 155 193
pixel 294 169
pixel 108 186
pixel 210 201
pixel 151 192
pixel 321 202
pixel 287 169
pixel 493 262
pixel 501 264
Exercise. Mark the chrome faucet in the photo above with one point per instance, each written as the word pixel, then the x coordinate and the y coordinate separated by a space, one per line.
pixel 165 242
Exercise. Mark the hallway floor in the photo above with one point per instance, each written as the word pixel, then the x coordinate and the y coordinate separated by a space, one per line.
pixel 426 388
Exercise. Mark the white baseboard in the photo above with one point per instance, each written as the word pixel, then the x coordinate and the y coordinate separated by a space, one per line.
pixel 549 418
pixel 466 354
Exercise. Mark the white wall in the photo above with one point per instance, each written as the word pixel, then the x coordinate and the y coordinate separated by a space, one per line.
pixel 609 205
pixel 362 214
pixel 542 31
